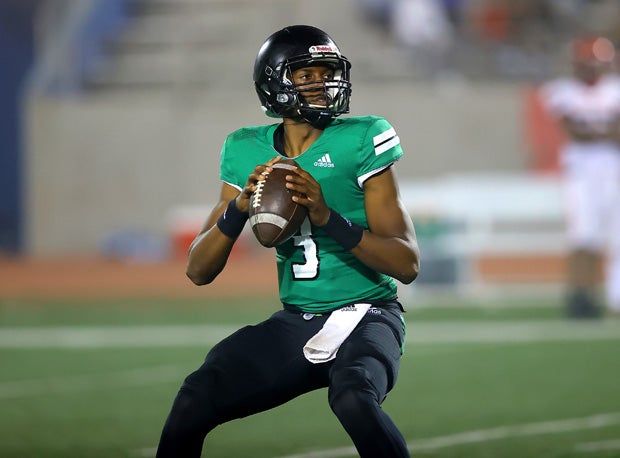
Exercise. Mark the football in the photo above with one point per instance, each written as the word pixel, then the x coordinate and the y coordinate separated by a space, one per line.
pixel 274 217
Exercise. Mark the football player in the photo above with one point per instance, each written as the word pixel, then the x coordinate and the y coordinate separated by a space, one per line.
pixel 340 325
pixel 588 107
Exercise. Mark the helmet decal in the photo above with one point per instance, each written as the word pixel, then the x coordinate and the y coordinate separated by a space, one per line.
pixel 323 48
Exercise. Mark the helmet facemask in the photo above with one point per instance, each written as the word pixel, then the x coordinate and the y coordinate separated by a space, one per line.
pixel 318 102
pixel 291 99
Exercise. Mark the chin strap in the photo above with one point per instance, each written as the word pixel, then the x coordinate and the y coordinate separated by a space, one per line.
pixel 320 121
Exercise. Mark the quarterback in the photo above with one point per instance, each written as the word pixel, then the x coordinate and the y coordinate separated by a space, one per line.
pixel 340 323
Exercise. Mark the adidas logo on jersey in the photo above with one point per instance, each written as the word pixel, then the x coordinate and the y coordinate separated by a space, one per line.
pixel 325 161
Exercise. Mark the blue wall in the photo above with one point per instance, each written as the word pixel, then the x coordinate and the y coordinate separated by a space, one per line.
pixel 18 62
pixel 16 58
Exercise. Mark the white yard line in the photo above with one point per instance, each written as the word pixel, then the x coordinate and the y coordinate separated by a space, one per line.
pixel 512 331
pixel 207 335
pixel 484 435
pixel 523 430
pixel 113 336
pixel 93 337
pixel 91 382
pixel 590 447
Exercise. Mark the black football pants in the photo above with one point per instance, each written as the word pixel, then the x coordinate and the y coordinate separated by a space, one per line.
pixel 262 366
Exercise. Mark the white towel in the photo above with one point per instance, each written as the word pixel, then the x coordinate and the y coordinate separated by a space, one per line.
pixel 323 346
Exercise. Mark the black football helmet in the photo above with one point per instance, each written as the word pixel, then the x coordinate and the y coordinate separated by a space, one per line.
pixel 292 48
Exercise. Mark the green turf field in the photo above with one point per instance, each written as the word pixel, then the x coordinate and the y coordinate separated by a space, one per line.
pixel 512 380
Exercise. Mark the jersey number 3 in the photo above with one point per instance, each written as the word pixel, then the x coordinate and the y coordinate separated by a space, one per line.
pixel 309 269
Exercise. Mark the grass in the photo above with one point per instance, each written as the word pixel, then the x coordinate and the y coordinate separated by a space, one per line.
pixel 111 401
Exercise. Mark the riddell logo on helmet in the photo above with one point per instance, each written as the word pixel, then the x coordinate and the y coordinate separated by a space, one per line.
pixel 322 48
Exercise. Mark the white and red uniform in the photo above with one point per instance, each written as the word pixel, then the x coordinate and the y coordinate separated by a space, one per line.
pixel 591 169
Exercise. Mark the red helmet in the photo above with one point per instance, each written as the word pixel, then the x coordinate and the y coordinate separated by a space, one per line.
pixel 592 56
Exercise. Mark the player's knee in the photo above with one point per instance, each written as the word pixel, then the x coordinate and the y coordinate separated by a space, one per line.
pixel 351 392
pixel 193 410
pixel 190 412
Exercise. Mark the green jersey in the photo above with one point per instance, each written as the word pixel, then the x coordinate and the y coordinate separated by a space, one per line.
pixel 315 274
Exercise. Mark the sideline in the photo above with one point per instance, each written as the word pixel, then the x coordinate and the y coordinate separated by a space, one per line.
pixel 128 336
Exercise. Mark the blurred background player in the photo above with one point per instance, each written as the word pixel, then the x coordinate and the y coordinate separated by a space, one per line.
pixel 588 107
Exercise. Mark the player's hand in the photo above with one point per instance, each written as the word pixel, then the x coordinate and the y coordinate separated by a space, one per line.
pixel 310 195
pixel 243 199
